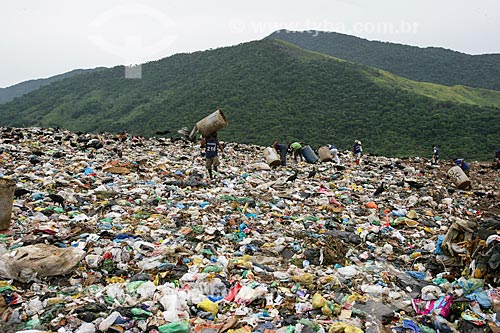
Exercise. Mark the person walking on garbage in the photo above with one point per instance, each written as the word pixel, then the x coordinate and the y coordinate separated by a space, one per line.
pixel 296 149
pixel 335 153
pixel 496 162
pixel 282 150
pixel 462 164
pixel 435 155
pixel 357 149
pixel 211 144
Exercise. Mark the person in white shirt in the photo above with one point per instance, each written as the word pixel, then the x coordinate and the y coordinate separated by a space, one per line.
pixel 335 153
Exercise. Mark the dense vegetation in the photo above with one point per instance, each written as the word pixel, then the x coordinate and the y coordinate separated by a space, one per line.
pixel 20 89
pixel 271 90
pixel 429 64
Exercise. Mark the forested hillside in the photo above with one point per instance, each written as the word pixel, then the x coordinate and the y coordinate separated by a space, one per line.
pixel 9 93
pixel 272 90
pixel 431 64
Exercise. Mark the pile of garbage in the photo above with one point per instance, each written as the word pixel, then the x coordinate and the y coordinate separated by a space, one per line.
pixel 114 233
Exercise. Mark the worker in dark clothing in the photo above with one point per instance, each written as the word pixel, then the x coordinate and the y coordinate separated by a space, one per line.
pixel 496 162
pixel 435 155
pixel 463 165
pixel 282 150
pixel 211 144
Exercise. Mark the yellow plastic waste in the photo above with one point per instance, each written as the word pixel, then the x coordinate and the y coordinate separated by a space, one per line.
pixel 209 306
pixel 340 327
pixel 412 214
pixel 429 230
pixel 115 279
pixel 337 309
pixel 428 213
pixel 415 255
pixel 326 310
pixel 54 300
pixel 318 301
pixel 5 284
pixel 328 279
pixel 357 188
pixel 411 223
pixel 306 278
pixel 245 261
pixel 244 329
pixel 355 297
pixel 197 261
pixel 156 281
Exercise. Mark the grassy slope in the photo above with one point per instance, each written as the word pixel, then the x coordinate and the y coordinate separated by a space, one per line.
pixel 430 64
pixel 457 94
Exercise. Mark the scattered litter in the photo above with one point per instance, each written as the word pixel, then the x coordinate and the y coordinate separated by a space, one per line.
pixel 115 233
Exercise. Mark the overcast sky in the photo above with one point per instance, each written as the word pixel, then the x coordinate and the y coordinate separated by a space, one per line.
pixel 44 38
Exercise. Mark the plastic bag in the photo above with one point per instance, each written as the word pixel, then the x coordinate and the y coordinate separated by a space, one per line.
pixel 470 285
pixel 178 327
pixel 86 328
pixel 340 327
pixel 441 306
pixel 110 320
pixel 318 301
pixel 348 271
pixel 40 260
pixel 209 306
pixel 233 292
pixel 482 297
pixel 146 290
pixel 430 293
pixel 115 291
pixel 247 295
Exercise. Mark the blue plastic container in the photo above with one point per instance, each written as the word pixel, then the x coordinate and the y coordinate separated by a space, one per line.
pixel 309 154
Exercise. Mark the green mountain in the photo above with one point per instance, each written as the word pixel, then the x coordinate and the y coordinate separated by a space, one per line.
pixel 270 90
pixel 9 93
pixel 430 64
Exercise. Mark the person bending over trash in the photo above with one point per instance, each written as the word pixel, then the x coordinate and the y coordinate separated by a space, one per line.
pixel 335 153
pixel 211 144
pixel 462 164
pixel 282 150
pixel 296 149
